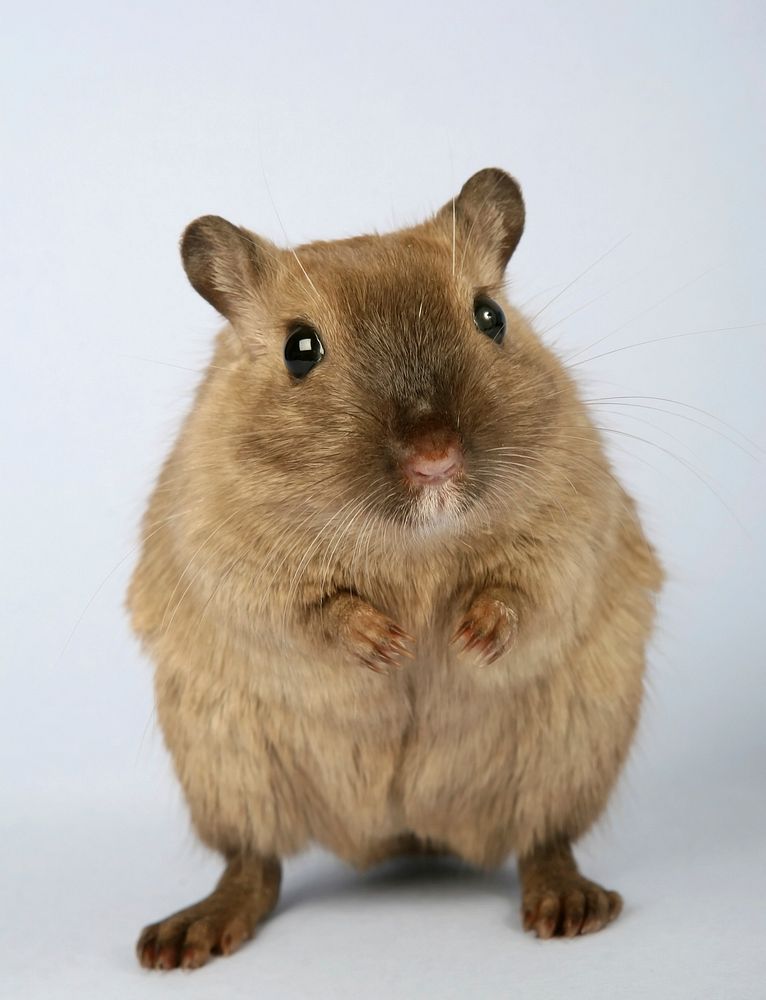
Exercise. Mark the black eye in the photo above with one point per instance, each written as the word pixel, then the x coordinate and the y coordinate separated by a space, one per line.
pixel 489 318
pixel 303 350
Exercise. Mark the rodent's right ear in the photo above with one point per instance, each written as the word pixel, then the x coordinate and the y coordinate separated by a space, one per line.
pixel 226 263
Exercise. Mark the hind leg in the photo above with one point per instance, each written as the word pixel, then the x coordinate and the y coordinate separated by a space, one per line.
pixel 557 900
pixel 246 893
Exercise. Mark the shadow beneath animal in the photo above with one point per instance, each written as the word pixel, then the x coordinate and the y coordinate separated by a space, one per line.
pixel 423 877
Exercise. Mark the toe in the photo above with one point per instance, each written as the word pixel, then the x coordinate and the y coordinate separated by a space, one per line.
pixel 615 905
pixel 234 934
pixel 168 955
pixel 197 945
pixel 573 913
pixel 146 950
pixel 597 911
pixel 194 956
pixel 167 941
pixel 547 916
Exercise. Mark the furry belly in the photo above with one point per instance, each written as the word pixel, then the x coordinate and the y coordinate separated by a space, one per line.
pixel 367 760
pixel 458 754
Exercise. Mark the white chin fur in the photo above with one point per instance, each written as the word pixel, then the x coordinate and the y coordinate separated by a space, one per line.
pixel 436 509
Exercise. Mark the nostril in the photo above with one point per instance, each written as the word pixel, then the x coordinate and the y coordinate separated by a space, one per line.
pixel 430 469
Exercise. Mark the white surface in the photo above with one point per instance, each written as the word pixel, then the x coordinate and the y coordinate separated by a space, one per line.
pixel 88 868
pixel 120 125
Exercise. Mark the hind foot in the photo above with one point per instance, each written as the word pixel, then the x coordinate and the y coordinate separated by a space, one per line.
pixel 217 925
pixel 557 901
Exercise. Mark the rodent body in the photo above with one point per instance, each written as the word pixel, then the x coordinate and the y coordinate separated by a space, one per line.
pixel 284 554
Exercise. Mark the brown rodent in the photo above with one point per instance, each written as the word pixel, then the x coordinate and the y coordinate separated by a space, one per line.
pixel 396 599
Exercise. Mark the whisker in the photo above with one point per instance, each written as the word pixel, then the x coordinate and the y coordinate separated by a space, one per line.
pixel 687 465
pixel 675 336
pixel 543 291
pixel 284 233
pixel 170 364
pixel 219 527
pixel 640 315
pixel 687 406
pixel 661 430
pixel 582 274
pixel 132 551
pixel 454 229
pixel 678 416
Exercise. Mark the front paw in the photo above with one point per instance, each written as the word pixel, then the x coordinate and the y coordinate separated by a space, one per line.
pixel 374 640
pixel 488 630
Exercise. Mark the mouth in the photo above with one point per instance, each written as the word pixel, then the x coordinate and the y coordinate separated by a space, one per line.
pixel 428 463
pixel 436 504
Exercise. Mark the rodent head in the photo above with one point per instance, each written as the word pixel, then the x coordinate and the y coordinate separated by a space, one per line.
pixel 383 376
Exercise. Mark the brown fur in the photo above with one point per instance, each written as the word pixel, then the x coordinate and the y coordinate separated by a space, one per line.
pixel 281 548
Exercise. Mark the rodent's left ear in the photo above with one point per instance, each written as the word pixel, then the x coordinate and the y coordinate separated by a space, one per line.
pixel 225 263
pixel 488 219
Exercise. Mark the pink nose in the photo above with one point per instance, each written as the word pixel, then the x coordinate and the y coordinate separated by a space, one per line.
pixel 433 469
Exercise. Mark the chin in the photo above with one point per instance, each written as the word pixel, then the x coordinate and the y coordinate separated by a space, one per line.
pixel 437 510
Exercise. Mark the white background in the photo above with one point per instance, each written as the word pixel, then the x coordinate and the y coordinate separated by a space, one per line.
pixel 639 123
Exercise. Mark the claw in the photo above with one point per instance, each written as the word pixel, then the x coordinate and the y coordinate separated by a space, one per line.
pixel 374 666
pixel 489 629
pixel 384 654
pixel 403 650
pixel 462 630
pixel 400 633
pixel 379 643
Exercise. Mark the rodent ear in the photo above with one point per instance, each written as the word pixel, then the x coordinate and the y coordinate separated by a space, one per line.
pixel 488 218
pixel 225 263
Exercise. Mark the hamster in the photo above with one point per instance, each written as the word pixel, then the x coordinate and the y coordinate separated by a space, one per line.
pixel 395 597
